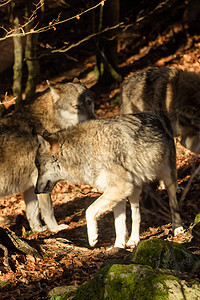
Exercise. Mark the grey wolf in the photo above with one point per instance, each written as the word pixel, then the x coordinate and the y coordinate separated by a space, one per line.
pixel 59 107
pixel 117 156
pixel 169 91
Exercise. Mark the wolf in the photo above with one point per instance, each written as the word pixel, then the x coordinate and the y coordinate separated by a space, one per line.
pixel 116 155
pixel 61 106
pixel 169 91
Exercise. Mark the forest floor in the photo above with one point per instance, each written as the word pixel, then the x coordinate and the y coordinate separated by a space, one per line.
pixel 66 258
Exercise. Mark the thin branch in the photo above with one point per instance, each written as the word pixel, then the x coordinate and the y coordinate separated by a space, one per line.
pixel 65 49
pixel 6 263
pixel 4 3
pixel 20 31
pixel 51 25
pixel 121 25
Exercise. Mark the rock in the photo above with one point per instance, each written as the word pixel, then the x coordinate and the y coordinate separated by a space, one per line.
pixel 62 292
pixel 158 253
pixel 143 277
pixel 137 282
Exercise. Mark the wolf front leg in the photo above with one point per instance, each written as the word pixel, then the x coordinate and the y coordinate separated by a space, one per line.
pixel 47 213
pixel 120 224
pixel 112 198
pixel 32 210
pixel 135 213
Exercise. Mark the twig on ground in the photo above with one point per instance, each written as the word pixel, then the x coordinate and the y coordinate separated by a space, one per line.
pixel 6 261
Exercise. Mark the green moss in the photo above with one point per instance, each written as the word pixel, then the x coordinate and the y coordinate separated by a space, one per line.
pixel 4 283
pixel 164 254
pixel 126 282
pixel 94 289
pixel 144 280
pixel 150 253
pixel 197 218
pixel 116 101
pixel 62 292
pixel 27 233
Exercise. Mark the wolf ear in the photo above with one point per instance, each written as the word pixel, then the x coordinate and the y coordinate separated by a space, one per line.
pixel 44 145
pixel 55 90
pixel 48 143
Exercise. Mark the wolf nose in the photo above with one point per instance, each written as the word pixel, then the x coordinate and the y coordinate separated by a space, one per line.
pixel 36 190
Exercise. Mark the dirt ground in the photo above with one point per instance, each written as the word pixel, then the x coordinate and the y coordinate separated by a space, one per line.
pixel 66 258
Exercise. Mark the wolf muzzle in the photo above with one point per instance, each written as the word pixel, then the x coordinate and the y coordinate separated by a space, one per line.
pixel 44 189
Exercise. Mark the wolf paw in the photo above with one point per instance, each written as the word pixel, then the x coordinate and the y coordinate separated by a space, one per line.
pixel 119 245
pixel 92 241
pixel 39 228
pixel 178 230
pixel 59 227
pixel 132 242
pixel 63 226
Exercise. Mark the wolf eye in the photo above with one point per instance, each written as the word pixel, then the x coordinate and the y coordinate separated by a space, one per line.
pixel 75 106
pixel 54 158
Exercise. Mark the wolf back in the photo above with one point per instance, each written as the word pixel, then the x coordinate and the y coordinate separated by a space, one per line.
pixel 168 91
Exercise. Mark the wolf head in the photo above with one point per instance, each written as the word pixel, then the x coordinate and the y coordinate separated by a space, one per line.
pixel 49 169
pixel 73 102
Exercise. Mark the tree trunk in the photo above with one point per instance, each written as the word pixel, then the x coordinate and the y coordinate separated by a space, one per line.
pixel 107 56
pixel 18 62
pixel 31 56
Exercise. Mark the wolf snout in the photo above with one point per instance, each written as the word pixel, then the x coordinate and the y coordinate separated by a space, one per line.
pixel 44 189
pixel 37 191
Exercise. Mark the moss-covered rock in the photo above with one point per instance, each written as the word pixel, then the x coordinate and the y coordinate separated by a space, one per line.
pixel 144 279
pixel 62 292
pixel 158 253
pixel 136 282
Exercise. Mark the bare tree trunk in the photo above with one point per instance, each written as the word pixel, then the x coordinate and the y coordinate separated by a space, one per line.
pixel 32 65
pixel 107 57
pixel 18 59
pixel 31 56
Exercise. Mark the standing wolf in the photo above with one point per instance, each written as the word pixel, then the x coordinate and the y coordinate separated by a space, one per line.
pixel 168 91
pixel 64 105
pixel 117 156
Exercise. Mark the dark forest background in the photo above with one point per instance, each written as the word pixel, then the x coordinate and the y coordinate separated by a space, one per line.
pixel 101 43
pixel 49 39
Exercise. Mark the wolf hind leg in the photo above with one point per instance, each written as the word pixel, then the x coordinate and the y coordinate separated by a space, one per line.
pixel 171 187
pixel 135 214
pixel 32 210
pixel 47 213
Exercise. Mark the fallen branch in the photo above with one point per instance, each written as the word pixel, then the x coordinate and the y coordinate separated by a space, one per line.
pixel 9 241
pixel 23 246
pixel 6 261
